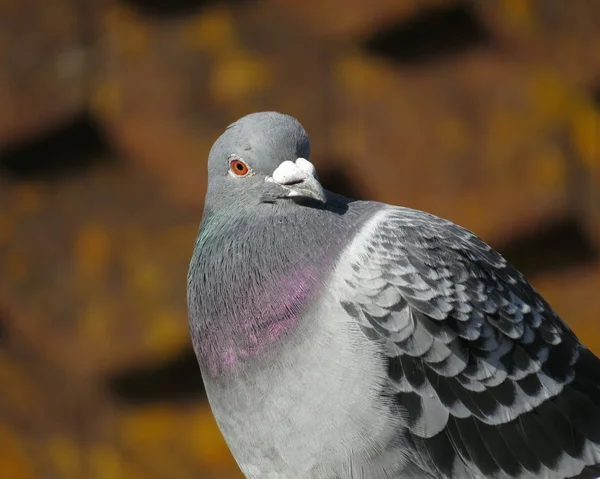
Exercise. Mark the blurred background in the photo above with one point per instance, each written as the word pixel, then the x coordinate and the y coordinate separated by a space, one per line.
pixel 484 112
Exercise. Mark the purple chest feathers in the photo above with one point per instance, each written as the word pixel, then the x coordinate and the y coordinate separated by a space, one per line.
pixel 243 318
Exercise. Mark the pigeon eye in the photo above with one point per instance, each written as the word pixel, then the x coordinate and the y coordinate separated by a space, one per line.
pixel 239 168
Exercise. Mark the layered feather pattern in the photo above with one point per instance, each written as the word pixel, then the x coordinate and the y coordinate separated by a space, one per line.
pixel 491 382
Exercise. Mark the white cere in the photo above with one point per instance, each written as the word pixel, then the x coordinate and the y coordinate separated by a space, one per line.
pixel 292 172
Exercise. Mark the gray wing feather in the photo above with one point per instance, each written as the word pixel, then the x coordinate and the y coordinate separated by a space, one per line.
pixel 491 382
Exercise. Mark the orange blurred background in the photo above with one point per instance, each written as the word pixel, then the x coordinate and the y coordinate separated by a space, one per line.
pixel 487 113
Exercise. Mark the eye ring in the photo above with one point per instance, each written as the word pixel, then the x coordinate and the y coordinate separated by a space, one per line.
pixel 238 167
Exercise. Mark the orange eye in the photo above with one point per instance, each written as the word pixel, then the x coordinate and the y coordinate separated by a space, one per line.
pixel 239 168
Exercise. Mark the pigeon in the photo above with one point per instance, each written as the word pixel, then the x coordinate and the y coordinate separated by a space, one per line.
pixel 339 338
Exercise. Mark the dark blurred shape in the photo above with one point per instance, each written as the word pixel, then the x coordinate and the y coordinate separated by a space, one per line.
pixel 175 380
pixel 554 247
pixel 171 8
pixel 596 95
pixel 429 35
pixel 3 329
pixel 337 179
pixel 66 150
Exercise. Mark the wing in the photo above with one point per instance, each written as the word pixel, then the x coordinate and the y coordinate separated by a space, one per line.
pixel 491 382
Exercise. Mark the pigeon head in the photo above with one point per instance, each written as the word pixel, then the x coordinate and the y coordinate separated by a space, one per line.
pixel 263 158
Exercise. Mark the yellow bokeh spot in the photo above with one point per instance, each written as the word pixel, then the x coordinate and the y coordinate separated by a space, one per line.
pixel 585 134
pixel 206 439
pixel 14 463
pixel 106 98
pixel 105 462
pixel 212 30
pixel 363 75
pixel 167 334
pixel 549 168
pixel 145 277
pixel 518 14
pixel 65 456
pixel 548 96
pixel 92 250
pixel 236 77
pixel 130 33
pixel 149 426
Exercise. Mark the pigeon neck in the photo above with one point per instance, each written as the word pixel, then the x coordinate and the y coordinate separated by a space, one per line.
pixel 251 280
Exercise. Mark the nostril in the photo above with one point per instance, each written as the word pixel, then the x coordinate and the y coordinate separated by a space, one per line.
pixel 293 182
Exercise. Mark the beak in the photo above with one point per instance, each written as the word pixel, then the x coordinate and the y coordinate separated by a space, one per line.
pixel 299 178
